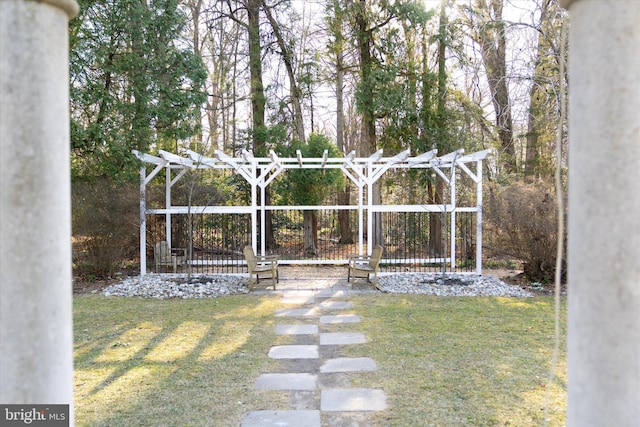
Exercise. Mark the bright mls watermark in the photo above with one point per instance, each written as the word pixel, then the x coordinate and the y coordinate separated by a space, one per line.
pixel 34 415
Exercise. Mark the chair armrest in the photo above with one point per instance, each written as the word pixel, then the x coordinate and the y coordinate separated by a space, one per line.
pixel 358 259
pixel 270 259
pixel 179 251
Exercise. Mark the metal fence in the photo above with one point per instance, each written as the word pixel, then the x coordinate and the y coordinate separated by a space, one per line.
pixel 412 241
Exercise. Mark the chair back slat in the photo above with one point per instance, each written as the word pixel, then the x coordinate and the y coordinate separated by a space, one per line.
pixel 163 252
pixel 250 257
pixel 376 256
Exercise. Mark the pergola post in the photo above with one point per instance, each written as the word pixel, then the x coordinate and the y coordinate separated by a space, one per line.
pixel 452 226
pixel 36 343
pixel 479 217
pixel 143 221
pixel 167 204
pixel 604 214
pixel 254 209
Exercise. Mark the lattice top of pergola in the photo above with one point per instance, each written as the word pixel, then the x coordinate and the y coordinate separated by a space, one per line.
pixel 360 170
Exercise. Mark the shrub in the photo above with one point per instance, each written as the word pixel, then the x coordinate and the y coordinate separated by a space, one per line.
pixel 106 222
pixel 521 222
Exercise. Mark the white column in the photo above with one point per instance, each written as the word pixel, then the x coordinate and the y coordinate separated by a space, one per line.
pixel 143 221
pixel 452 225
pixel 604 214
pixel 479 217
pixel 254 208
pixel 361 219
pixel 36 358
pixel 167 205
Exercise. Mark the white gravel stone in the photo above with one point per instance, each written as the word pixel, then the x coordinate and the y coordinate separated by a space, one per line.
pixel 163 286
pixel 448 285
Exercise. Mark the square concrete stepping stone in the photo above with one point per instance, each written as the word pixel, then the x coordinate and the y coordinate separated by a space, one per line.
pixel 335 305
pixel 348 364
pixel 296 329
pixel 352 399
pixel 296 312
pixel 294 352
pixel 287 382
pixel 331 293
pixel 340 318
pixel 301 418
pixel 298 299
pixel 342 338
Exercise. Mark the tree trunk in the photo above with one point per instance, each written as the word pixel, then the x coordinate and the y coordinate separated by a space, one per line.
pixel 532 152
pixel 287 57
pixel 310 220
pixel 536 105
pixel 344 224
pixel 492 39
pixel 364 41
pixel 195 8
pixel 435 193
pixel 436 242
pixel 258 102
pixel 258 99
pixel 369 140
pixel 344 196
pixel 441 124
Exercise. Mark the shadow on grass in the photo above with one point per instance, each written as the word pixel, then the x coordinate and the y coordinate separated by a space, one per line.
pixel 441 361
pixel 148 362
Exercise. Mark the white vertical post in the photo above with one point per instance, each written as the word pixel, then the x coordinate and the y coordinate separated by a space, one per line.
pixel 370 225
pixel 36 343
pixel 143 221
pixel 479 217
pixel 254 209
pixel 604 214
pixel 452 190
pixel 167 203
pixel 360 219
pixel 263 218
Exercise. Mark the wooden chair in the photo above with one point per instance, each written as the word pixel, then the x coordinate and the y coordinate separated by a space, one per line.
pixel 267 266
pixel 364 266
pixel 164 256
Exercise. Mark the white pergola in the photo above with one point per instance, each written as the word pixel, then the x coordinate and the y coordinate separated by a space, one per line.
pixel 363 172
pixel 603 323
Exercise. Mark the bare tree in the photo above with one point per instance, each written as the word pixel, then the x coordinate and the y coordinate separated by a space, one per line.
pixel 543 94
pixel 337 49
pixel 286 52
pixel 487 28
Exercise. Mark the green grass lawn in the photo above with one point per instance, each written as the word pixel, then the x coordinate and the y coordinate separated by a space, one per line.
pixel 462 361
pixel 441 361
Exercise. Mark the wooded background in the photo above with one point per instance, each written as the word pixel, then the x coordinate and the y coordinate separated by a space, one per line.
pixel 366 74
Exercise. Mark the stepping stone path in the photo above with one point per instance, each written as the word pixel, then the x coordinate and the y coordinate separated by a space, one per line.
pixel 317 379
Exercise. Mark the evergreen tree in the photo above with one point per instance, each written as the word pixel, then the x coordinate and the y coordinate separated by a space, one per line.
pixel 311 186
pixel 134 84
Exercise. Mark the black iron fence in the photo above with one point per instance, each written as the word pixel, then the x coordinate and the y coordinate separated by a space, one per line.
pixel 412 241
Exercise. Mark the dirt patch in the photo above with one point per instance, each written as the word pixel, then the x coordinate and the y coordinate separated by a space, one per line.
pixel 83 285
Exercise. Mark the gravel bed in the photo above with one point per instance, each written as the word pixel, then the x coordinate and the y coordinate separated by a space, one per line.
pixel 162 286
pixel 449 285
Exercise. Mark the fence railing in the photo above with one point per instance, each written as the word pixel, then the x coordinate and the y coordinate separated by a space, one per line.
pixel 412 241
